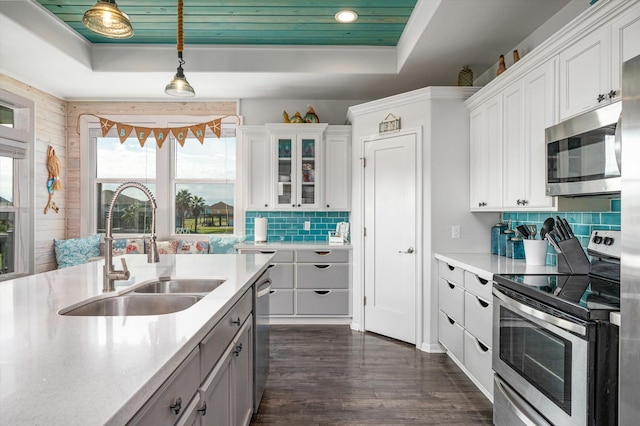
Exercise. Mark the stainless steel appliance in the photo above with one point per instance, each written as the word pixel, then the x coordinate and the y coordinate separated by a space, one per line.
pixel 262 290
pixel 555 352
pixel 630 266
pixel 584 154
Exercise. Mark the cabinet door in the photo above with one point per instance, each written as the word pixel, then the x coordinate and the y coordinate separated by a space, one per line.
pixel 514 161
pixel 243 374
pixel 308 189
pixel 216 393
pixel 285 171
pixel 539 113
pixel 585 73
pixel 337 170
pixel 257 167
pixel 486 156
pixel 625 43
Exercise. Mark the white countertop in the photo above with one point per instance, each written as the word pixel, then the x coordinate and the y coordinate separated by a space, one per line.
pixel 485 265
pixel 292 245
pixel 71 370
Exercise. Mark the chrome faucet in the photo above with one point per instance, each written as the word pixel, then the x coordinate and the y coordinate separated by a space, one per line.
pixel 110 274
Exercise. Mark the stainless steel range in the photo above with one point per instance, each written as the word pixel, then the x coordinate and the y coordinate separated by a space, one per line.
pixel 555 352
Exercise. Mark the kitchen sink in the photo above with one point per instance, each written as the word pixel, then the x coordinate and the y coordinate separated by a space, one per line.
pixel 181 285
pixel 135 304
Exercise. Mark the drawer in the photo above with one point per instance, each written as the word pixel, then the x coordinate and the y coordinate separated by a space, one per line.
pixel 477 359
pixel 451 335
pixel 322 275
pixel 280 256
pixel 478 318
pixel 214 343
pixel 281 302
pixel 478 285
pixel 281 275
pixel 183 384
pixel 451 273
pixel 451 299
pixel 322 256
pixel 323 302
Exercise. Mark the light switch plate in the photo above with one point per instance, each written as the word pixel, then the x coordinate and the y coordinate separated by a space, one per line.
pixel 307 225
pixel 455 231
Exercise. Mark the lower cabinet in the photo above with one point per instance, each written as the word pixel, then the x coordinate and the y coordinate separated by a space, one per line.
pixel 214 385
pixel 465 326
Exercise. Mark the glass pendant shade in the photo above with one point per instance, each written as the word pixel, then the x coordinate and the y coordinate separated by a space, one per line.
pixel 179 86
pixel 106 19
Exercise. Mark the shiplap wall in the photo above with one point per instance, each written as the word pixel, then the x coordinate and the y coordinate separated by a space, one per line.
pixel 50 130
pixel 75 109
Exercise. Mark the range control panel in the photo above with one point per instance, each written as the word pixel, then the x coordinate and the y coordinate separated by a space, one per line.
pixel 606 243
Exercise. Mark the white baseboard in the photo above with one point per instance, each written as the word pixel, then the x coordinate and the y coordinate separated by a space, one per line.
pixel 356 327
pixel 435 348
pixel 309 320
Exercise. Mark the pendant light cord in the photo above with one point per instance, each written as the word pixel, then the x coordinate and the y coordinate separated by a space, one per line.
pixel 180 27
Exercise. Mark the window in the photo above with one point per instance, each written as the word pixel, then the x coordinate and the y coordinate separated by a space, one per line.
pixel 193 183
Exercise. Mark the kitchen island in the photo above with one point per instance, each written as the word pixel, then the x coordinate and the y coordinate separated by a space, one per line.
pixel 66 370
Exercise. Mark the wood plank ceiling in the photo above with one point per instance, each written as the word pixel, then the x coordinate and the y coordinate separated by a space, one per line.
pixel 250 22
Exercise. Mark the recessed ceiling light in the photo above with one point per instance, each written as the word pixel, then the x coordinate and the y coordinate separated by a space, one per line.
pixel 346 16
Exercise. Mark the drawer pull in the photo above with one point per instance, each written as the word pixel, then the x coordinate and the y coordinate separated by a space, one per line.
pixel 267 251
pixel 451 321
pixel 271 266
pixel 322 266
pixel 451 268
pixel 203 410
pixel 177 406
pixel 482 302
pixel 451 286
pixel 238 349
pixel 481 346
pixel 322 252
pixel 272 291
pixel 236 322
pixel 322 292
pixel 483 281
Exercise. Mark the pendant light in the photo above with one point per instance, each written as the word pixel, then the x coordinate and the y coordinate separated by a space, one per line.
pixel 106 19
pixel 179 86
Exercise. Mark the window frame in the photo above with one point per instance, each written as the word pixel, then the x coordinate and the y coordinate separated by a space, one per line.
pixel 165 179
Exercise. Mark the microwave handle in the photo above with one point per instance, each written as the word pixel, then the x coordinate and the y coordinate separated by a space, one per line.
pixel 617 144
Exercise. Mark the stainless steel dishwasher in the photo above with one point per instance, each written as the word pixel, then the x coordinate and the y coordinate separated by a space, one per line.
pixel 261 291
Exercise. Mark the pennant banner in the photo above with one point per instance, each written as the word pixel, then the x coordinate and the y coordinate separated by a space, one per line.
pixel 161 134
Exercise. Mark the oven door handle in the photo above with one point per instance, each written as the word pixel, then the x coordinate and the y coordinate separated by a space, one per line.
pixel 528 416
pixel 559 322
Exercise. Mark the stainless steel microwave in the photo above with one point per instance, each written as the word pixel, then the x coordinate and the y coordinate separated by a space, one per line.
pixel 583 154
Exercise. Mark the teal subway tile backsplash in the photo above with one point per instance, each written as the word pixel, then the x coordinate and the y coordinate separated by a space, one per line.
pixel 289 226
pixel 582 223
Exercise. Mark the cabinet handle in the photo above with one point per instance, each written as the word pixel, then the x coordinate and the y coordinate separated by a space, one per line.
pixel 322 292
pixel 293 205
pixel 236 322
pixel 272 291
pixel 483 281
pixel 451 321
pixel 451 286
pixel 481 346
pixel 271 266
pixel 328 206
pixel 451 268
pixel 600 98
pixel 482 204
pixel 266 252
pixel 322 252
pixel 482 302
pixel 266 205
pixel 299 205
pixel 177 406
pixel 612 94
pixel 322 266
pixel 238 349
pixel 203 410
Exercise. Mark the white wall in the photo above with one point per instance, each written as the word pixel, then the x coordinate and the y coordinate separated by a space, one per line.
pixel 261 111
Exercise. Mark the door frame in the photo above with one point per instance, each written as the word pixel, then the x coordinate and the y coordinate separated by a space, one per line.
pixel 357 219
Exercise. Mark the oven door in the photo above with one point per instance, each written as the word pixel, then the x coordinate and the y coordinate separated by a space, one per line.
pixel 545 359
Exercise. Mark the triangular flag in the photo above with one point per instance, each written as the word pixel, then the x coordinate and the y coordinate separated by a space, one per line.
pixel 215 126
pixel 161 135
pixel 105 125
pixel 142 133
pixel 198 131
pixel 124 130
pixel 180 133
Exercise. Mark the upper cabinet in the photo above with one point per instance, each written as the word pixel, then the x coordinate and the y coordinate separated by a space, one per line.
pixel 297 166
pixel 590 67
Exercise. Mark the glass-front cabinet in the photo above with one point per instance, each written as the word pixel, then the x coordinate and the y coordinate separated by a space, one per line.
pixel 297 162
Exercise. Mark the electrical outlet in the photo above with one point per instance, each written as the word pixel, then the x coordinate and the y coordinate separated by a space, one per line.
pixel 307 225
pixel 455 231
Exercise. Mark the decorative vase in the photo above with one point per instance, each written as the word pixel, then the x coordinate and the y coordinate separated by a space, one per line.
pixel 502 67
pixel 516 56
pixel 465 77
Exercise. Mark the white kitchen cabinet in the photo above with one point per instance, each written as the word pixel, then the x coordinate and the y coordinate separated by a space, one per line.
pixel 337 168
pixel 257 168
pixel 215 393
pixel 486 156
pixel 528 111
pixel 625 42
pixel 465 325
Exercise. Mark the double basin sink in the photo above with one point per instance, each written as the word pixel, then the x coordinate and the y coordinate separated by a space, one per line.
pixel 157 297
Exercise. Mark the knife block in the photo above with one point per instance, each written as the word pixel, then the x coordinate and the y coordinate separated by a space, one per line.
pixel 572 260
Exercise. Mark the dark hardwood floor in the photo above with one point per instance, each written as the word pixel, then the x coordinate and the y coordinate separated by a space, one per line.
pixel 331 375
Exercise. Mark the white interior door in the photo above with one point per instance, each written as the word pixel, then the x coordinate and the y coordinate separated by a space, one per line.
pixel 390 241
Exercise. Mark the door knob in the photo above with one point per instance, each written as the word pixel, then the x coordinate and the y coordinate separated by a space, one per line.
pixel 408 251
